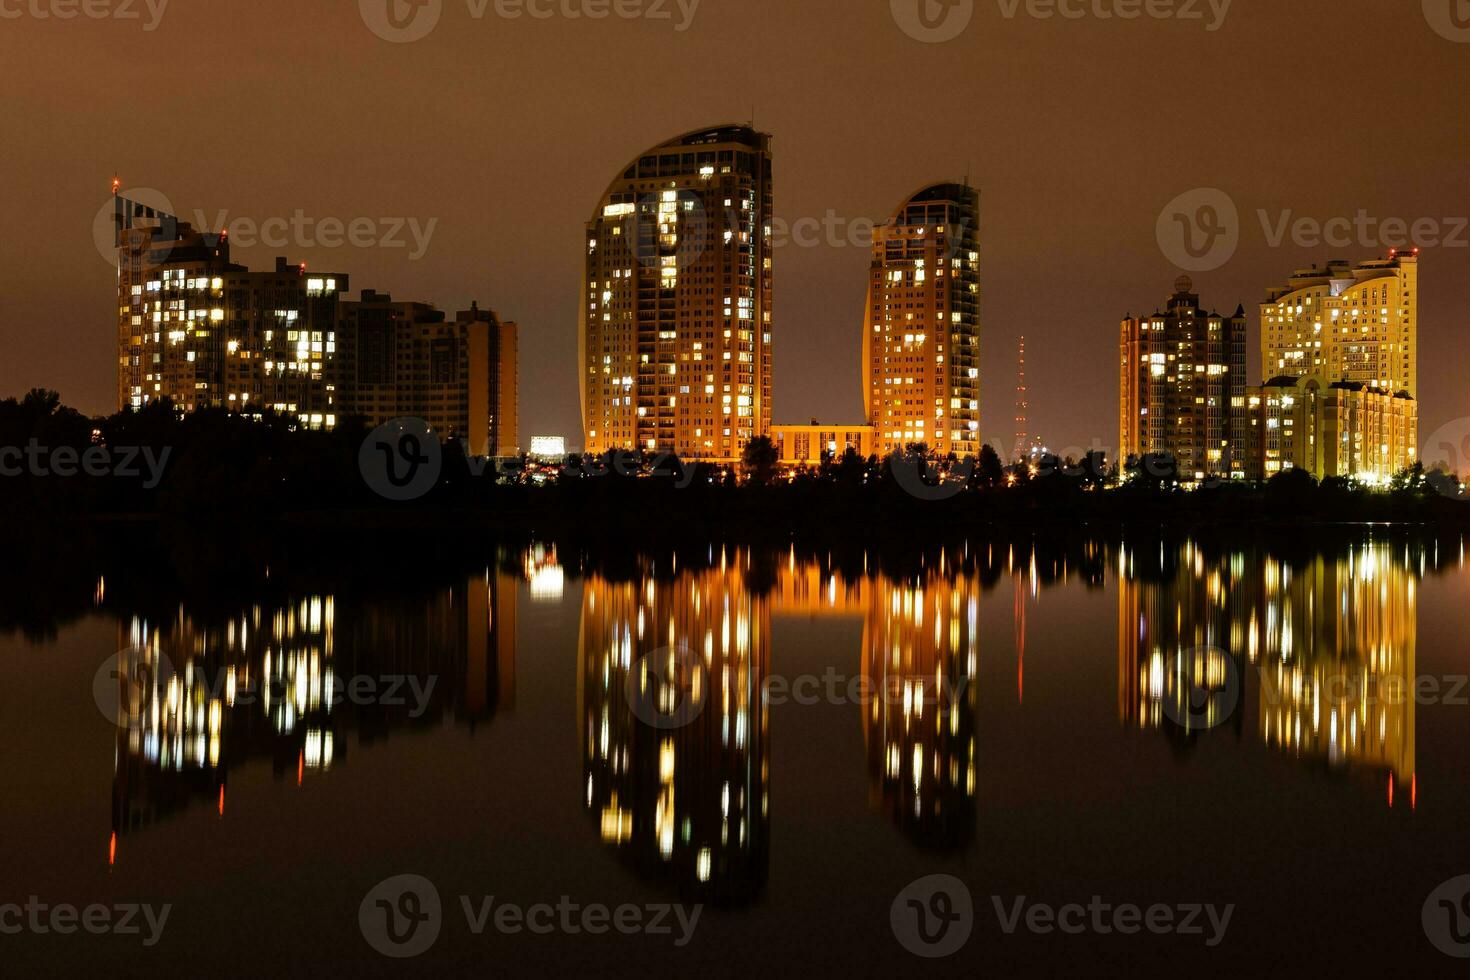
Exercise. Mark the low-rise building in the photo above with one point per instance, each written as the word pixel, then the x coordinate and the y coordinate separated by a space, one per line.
pixel 807 444
pixel 1344 429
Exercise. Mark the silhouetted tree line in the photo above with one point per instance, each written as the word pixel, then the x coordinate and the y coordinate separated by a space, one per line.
pixel 218 465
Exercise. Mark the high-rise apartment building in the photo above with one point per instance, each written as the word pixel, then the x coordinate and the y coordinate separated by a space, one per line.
pixel 1183 390
pixel 1346 322
pixel 675 331
pixel 408 360
pixel 1340 345
pixel 921 329
pixel 196 328
pixel 200 330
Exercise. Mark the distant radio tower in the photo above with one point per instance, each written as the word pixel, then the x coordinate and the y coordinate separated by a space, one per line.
pixel 1021 405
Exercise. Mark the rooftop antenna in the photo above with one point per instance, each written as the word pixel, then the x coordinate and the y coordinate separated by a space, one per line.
pixel 1022 404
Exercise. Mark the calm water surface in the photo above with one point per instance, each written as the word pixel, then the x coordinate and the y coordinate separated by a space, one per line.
pixel 787 741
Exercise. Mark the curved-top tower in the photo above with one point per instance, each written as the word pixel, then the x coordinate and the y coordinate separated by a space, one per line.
pixel 921 331
pixel 675 336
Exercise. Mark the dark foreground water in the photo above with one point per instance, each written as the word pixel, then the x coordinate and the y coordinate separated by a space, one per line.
pixel 1115 756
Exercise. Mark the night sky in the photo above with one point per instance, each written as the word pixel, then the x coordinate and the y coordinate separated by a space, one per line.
pixel 1077 132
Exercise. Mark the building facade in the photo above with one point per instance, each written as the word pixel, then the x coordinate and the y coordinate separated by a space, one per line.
pixel 1183 387
pixel 200 330
pixel 809 444
pixel 675 324
pixel 921 329
pixel 1345 429
pixel 1340 347
pixel 1346 322
pixel 409 360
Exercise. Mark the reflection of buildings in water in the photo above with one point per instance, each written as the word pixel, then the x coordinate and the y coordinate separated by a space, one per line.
pixel 544 573
pixel 689 800
pixel 919 662
pixel 1338 671
pixel 286 682
pixel 1330 644
pixel 920 659
pixel 1180 637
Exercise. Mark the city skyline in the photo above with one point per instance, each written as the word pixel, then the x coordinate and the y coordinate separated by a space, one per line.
pixel 689 220
pixel 1070 195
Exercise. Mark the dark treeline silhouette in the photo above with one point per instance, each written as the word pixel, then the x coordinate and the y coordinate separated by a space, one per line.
pixel 214 466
